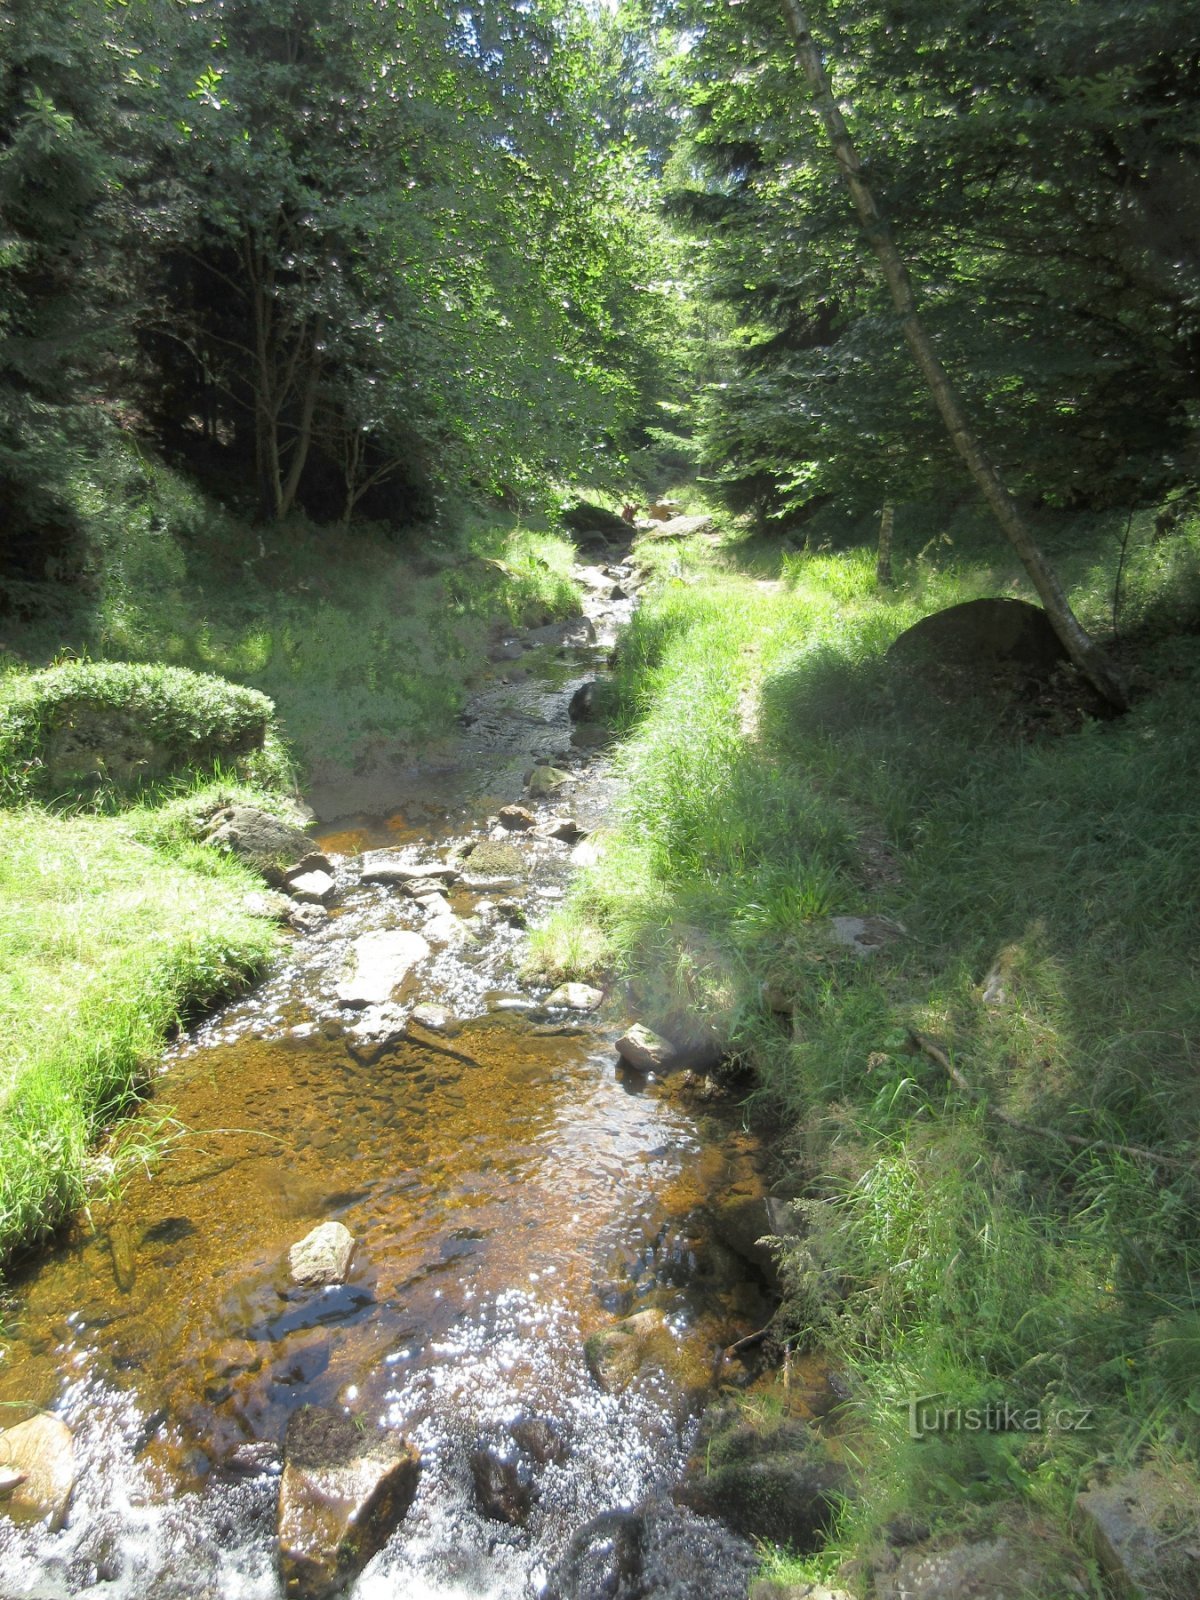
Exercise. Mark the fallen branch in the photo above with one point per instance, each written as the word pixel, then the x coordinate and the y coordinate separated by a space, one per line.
pixel 748 1343
pixel 926 1047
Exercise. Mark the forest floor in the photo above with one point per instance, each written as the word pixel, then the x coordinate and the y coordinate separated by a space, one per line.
pixel 987 1126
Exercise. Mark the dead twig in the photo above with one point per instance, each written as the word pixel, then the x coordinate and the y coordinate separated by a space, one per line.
pixel 926 1047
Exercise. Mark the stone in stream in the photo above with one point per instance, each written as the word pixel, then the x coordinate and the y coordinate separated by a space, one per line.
pixel 517 819
pixel 582 705
pixel 343 1492
pixel 545 780
pixel 434 1018
pixel 385 866
pixel 503 1484
pixel 781 1483
pixel 123 1248
pixel 494 857
pixel 38 1456
pixel 311 888
pixel 268 903
pixel 565 829
pixel 306 918
pixel 378 962
pixel 657 1550
pixel 645 1051
pixel 322 1256
pixel 378 1030
pixel 575 997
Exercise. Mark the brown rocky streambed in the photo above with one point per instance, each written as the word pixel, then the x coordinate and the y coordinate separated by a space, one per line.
pixel 513 1195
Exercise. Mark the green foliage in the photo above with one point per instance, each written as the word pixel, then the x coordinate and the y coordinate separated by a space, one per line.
pixel 1032 162
pixel 105 943
pixel 778 771
pixel 185 720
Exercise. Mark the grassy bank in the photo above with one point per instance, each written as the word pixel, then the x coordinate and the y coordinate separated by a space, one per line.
pixel 1039 866
pixel 361 636
pixel 111 930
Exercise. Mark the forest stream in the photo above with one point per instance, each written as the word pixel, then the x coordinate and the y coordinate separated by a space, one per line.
pixel 510 1186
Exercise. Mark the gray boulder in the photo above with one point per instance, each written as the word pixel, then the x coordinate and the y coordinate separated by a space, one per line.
pixel 260 839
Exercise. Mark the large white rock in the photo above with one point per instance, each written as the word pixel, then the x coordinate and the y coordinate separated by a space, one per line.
pixel 323 1255
pixel 39 1459
pixel 377 963
pixel 385 866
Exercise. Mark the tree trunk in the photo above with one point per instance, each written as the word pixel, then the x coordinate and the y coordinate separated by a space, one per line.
pixel 883 559
pixel 1082 649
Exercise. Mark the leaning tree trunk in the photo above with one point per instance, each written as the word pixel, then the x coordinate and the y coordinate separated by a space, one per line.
pixel 1081 648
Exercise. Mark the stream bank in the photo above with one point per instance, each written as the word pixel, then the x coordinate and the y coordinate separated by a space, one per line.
pixel 512 1195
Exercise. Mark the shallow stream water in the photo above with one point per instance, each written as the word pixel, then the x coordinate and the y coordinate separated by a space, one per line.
pixel 510 1188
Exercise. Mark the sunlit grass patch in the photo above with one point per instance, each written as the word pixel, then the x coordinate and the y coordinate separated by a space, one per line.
pixel 105 942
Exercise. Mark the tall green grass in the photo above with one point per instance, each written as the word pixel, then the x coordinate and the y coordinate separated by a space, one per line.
pixel 106 941
pixel 777 771
pixel 358 635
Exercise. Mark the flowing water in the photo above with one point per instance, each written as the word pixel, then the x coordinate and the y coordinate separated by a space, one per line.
pixel 510 1189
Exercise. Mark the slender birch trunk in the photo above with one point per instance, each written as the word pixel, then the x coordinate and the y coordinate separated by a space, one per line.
pixel 883 558
pixel 1081 648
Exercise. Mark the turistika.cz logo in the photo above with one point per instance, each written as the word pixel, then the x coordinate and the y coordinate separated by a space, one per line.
pixel 935 1414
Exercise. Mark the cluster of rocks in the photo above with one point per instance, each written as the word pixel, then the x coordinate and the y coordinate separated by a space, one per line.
pixel 301 879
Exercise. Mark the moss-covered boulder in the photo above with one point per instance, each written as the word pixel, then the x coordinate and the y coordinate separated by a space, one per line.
pixel 85 725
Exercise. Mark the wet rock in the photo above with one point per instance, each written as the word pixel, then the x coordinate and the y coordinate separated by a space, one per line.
pixel 380 1029
pixel 258 838
pixel 487 883
pixel 512 912
pixel 545 780
pixel 39 1458
pixel 378 963
pixel 582 705
pixel 518 819
pixel 741 1217
pixel 434 903
pixel 518 1005
pixel 1145 1530
pixel 998 1569
pixel 385 866
pixel 343 1492
pixel 311 888
pixel 645 1051
pixel 503 1485
pixel 618 1355
pixel 574 997
pixel 448 930
pixel 306 918
pixel 866 936
pixel 540 1439
pixel 436 1018
pixel 565 829
pixel 781 1485
pixel 655 1552
pixel 322 1256
pixel 493 857
pixel 591 736
pixel 255 1459
pixel 587 853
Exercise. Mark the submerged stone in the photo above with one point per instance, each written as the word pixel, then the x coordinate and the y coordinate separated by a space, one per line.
pixel 322 1256
pixel 503 1485
pixel 378 962
pixel 39 1458
pixel 343 1492
pixel 655 1550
